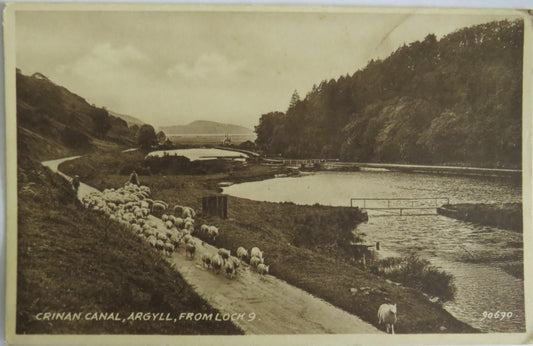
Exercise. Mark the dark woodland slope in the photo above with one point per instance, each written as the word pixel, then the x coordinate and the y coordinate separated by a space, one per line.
pixel 453 101
pixel 53 122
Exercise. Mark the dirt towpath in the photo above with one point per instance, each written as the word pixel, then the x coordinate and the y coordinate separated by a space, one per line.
pixel 279 308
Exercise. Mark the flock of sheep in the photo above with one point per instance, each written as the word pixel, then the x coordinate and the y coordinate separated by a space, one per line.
pixel 131 205
pixel 224 261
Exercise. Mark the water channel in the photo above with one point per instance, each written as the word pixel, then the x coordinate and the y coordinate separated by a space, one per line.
pixel 474 254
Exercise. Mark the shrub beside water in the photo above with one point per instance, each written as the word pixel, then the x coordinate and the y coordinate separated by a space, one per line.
pixel 415 272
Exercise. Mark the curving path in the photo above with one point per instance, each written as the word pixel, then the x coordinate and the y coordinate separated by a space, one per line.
pixel 280 308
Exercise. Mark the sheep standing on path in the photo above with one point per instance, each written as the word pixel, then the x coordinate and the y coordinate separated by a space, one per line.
pixel 216 263
pixel 190 249
pixel 206 260
pixel 387 314
pixel 229 268
pixel 224 253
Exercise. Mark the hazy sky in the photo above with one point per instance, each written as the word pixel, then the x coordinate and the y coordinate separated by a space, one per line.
pixel 170 68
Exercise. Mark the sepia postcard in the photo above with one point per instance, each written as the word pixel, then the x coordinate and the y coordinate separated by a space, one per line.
pixel 267 175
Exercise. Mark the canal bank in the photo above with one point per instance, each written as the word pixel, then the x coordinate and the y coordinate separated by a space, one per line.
pixel 274 227
pixel 460 248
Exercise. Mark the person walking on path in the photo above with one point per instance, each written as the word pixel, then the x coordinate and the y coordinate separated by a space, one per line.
pixel 76 183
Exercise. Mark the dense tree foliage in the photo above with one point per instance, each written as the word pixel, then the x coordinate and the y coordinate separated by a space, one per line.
pixel 101 122
pixel 453 101
pixel 146 137
pixel 74 138
pixel 161 137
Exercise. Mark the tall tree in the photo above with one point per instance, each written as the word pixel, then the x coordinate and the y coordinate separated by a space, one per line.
pixel 101 122
pixel 146 137
pixel 161 137
pixel 294 99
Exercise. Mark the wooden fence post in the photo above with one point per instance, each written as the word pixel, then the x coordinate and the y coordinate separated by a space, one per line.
pixel 215 205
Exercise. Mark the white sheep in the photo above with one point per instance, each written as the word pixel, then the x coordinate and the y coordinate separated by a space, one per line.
pixel 190 249
pixel 178 222
pixel 213 232
pixel 262 269
pixel 229 268
pixel 387 314
pixel 224 253
pixel 189 226
pixel 216 263
pixel 242 253
pixel 187 238
pixel 206 260
pixel 175 240
pixel 256 252
pixel 169 247
pixel 255 261
pixel 188 212
pixel 236 262
pixel 160 245
pixel 152 240
pixel 158 207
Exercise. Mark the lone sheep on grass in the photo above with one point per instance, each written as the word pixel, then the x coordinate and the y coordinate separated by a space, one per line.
pixel 387 314
pixel 262 269
pixel 242 253
pixel 256 252
pixel 255 261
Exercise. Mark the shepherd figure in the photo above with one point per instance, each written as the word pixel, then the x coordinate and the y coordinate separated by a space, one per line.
pixel 134 178
pixel 76 183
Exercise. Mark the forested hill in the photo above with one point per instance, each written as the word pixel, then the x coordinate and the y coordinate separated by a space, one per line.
pixel 456 101
pixel 53 122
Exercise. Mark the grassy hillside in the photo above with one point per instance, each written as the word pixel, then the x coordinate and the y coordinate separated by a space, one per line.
pixel 74 260
pixel 53 122
pixel 457 100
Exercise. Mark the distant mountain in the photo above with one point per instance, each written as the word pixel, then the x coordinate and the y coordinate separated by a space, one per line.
pixel 54 122
pixel 206 127
pixel 127 118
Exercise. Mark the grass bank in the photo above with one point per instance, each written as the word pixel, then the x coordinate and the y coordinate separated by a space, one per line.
pixel 501 215
pixel 304 245
pixel 66 263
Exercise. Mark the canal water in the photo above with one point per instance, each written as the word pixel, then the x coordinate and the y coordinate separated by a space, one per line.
pixel 475 255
